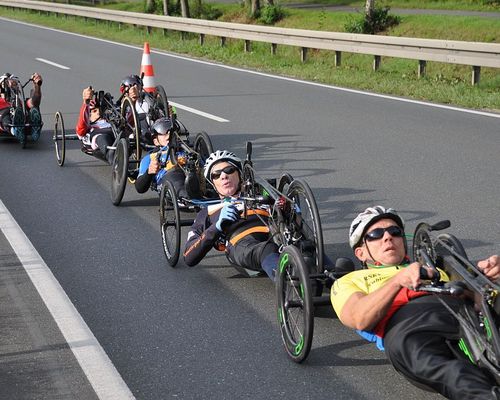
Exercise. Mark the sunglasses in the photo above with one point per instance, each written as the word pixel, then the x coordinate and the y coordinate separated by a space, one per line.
pixel 378 233
pixel 230 169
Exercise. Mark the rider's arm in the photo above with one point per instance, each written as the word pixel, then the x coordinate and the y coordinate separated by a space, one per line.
pixel 201 238
pixel 36 93
pixel 144 179
pixel 364 311
pixel 83 124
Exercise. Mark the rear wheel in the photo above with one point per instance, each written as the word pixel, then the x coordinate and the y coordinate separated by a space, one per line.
pixel 59 138
pixel 295 304
pixel 119 172
pixel 170 223
pixel 305 220
pixel 132 132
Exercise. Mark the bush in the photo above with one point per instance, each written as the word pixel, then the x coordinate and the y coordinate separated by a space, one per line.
pixel 271 14
pixel 378 21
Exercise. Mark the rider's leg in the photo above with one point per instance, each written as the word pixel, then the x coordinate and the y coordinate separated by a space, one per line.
pixel 18 121
pixel 416 344
pixel 103 141
pixel 36 123
pixel 176 177
pixel 255 252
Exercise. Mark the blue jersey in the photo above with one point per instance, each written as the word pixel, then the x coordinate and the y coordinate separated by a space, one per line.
pixel 164 160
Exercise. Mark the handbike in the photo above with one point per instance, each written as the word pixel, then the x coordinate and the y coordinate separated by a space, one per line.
pixel 479 315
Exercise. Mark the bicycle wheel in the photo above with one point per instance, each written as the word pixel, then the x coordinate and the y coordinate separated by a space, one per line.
pixel 454 243
pixel 59 138
pixel 162 101
pixel 119 172
pixel 284 182
pixel 295 304
pixel 132 132
pixel 170 225
pixel 422 241
pixel 304 215
pixel 203 146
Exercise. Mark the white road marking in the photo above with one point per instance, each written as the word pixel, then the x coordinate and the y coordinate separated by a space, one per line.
pixel 52 63
pixel 202 113
pixel 101 373
pixel 284 78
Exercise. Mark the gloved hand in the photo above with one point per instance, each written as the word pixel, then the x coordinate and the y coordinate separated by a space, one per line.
pixel 229 213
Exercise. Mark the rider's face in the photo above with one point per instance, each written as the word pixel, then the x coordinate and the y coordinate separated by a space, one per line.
pixel 388 250
pixel 161 140
pixel 226 184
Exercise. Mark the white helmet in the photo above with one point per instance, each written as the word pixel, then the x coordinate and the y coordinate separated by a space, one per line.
pixel 367 218
pixel 219 156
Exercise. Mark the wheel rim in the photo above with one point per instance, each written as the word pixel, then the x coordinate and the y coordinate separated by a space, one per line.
pixel 169 225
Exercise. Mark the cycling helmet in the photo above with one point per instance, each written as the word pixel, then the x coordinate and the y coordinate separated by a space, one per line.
pixel 219 156
pixel 367 218
pixel 130 81
pixel 162 126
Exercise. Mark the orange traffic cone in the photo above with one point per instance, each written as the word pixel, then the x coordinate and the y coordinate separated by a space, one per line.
pixel 147 68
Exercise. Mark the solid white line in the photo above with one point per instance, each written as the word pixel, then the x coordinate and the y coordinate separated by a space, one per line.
pixel 52 63
pixel 284 78
pixel 101 373
pixel 202 113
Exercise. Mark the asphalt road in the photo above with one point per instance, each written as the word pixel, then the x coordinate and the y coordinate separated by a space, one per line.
pixel 206 332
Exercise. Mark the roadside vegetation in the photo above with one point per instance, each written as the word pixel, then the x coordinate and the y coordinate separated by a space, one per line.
pixel 443 83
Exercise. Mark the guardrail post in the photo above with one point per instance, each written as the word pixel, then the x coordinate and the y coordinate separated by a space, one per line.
pixel 274 46
pixel 222 41
pixel 338 58
pixel 476 73
pixel 376 63
pixel 183 35
pixel 422 64
pixel 303 54
pixel 248 46
pixel 165 32
pixel 148 30
pixel 202 39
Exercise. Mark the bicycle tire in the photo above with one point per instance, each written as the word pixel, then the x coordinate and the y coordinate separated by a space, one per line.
pixel 162 100
pixel 59 138
pixel 284 182
pixel 203 146
pixel 295 304
pixel 309 221
pixel 132 131
pixel 422 240
pixel 170 226
pixel 119 172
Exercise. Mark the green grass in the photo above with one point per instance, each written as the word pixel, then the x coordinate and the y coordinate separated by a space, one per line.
pixel 444 83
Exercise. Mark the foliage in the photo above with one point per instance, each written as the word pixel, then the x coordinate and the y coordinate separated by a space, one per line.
pixel 378 21
pixel 271 14
pixel 150 6
pixel 204 10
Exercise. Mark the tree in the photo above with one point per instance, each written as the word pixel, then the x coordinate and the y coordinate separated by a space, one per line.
pixel 369 7
pixel 184 8
pixel 165 7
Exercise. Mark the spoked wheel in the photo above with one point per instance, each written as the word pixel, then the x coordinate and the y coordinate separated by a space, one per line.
pixel 119 172
pixel 304 216
pixel 295 304
pixel 132 132
pixel 162 100
pixel 170 225
pixel 203 146
pixel 422 240
pixel 59 138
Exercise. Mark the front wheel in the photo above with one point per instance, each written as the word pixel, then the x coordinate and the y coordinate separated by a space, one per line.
pixel 59 138
pixel 119 172
pixel 203 146
pixel 131 130
pixel 170 225
pixel 295 304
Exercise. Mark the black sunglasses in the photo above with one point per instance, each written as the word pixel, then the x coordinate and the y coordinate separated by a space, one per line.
pixel 378 233
pixel 230 169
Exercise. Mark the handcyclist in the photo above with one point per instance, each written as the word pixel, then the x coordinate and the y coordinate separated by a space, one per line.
pixel 15 116
pixel 413 327
pixel 92 129
pixel 156 166
pixel 247 242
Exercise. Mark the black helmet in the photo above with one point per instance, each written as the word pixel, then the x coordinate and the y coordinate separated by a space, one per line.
pixel 130 81
pixel 162 126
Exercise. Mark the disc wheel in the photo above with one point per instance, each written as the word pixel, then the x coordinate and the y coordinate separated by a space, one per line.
pixel 119 172
pixel 132 132
pixel 295 304
pixel 59 138
pixel 170 223
pixel 305 221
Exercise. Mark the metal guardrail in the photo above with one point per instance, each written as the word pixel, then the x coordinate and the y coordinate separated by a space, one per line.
pixel 475 54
